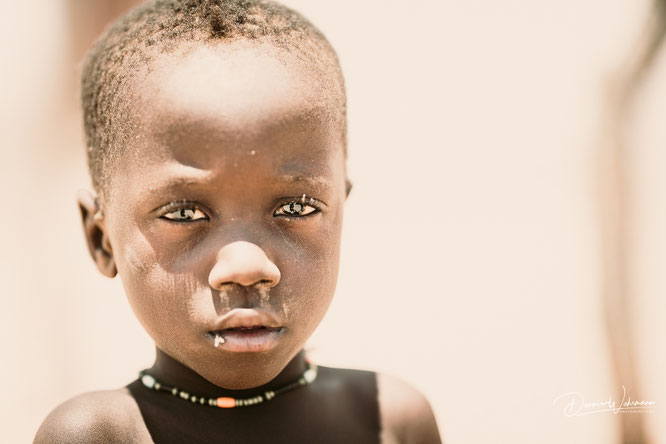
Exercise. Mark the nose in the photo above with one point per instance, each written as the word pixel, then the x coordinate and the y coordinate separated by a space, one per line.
pixel 243 263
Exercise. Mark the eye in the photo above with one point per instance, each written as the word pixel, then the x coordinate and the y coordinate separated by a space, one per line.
pixel 296 209
pixel 185 214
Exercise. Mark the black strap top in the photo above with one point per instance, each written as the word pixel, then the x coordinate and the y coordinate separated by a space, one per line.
pixel 340 406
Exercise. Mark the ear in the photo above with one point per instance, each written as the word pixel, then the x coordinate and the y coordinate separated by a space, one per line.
pixel 96 234
pixel 348 187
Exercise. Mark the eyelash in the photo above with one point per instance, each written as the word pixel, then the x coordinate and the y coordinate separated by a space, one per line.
pixel 300 202
pixel 181 206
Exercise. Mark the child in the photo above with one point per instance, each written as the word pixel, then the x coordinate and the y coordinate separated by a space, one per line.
pixel 217 150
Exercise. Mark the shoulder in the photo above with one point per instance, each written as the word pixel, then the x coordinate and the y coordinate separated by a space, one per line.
pixel 406 415
pixel 345 376
pixel 110 416
pixel 356 388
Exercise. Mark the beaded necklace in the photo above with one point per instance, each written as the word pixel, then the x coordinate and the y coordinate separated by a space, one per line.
pixel 308 376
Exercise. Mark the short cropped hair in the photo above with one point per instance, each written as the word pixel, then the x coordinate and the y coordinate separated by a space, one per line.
pixel 162 26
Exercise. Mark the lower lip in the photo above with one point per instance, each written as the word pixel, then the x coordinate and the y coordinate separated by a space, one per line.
pixel 247 341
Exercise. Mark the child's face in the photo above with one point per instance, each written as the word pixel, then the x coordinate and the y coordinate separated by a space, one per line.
pixel 226 209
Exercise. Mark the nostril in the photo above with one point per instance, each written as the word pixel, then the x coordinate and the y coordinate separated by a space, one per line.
pixel 266 282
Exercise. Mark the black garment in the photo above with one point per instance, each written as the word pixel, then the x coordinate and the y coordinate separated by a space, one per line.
pixel 340 406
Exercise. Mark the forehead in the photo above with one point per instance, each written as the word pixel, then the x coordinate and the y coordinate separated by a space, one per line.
pixel 209 106
pixel 237 90
pixel 239 82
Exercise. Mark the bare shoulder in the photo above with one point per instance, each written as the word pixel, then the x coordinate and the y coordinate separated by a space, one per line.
pixel 406 414
pixel 110 416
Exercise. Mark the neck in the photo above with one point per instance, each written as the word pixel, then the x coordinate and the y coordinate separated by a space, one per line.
pixel 170 371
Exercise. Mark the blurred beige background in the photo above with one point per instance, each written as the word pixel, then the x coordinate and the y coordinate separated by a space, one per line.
pixel 471 253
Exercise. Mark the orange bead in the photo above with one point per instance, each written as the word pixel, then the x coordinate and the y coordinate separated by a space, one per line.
pixel 226 403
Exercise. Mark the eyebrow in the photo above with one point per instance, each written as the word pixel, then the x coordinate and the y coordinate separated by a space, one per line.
pixel 316 181
pixel 202 179
pixel 175 182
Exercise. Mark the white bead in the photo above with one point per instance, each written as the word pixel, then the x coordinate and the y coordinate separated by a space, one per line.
pixel 148 381
pixel 310 374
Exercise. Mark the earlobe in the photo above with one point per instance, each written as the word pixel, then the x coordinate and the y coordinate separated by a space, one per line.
pixel 96 234
pixel 348 187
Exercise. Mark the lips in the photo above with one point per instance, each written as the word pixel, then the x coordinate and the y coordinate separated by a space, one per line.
pixel 239 318
pixel 245 330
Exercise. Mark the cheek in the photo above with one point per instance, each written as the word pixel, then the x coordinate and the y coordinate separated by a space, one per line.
pixel 161 299
pixel 310 268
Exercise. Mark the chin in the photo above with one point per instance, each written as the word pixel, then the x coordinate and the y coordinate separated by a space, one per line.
pixel 239 371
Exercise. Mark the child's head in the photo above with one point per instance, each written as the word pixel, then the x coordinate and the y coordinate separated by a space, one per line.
pixel 217 147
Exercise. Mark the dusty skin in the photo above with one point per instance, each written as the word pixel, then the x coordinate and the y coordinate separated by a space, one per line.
pixel 200 213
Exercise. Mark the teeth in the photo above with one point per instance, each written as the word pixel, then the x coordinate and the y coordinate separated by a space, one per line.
pixel 218 340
